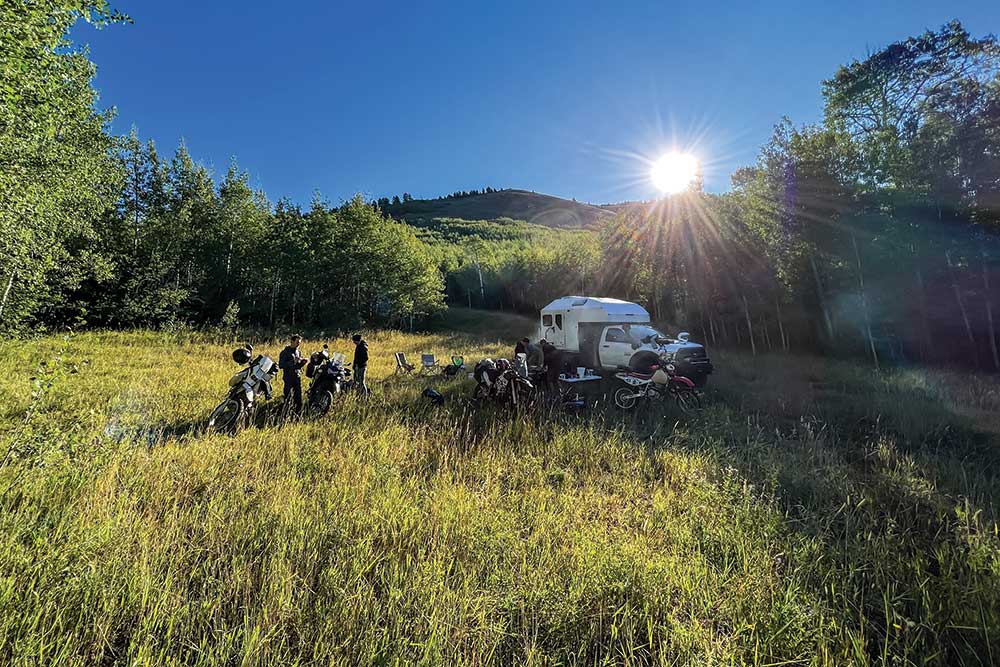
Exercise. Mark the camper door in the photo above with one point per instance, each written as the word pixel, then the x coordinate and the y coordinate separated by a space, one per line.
pixel 554 329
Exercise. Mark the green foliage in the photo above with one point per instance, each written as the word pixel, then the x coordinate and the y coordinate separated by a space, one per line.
pixel 57 176
pixel 507 263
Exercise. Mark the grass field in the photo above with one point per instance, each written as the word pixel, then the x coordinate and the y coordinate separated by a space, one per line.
pixel 815 513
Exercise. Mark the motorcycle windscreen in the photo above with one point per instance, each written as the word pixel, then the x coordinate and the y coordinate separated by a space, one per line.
pixel 262 369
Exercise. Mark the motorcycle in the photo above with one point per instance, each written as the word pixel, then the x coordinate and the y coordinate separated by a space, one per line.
pixel 499 382
pixel 329 378
pixel 662 382
pixel 239 406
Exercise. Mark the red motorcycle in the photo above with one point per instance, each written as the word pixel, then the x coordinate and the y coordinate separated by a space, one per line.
pixel 661 382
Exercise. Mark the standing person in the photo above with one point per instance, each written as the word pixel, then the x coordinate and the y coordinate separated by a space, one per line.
pixel 360 363
pixel 290 361
pixel 521 347
pixel 553 363
pixel 536 356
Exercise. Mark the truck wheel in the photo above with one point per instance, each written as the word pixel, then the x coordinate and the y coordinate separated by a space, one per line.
pixel 625 398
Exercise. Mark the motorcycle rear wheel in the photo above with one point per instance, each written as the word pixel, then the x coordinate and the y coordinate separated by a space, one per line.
pixel 687 401
pixel 227 417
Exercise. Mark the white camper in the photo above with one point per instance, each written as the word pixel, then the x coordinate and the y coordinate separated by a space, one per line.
pixel 608 334
pixel 562 318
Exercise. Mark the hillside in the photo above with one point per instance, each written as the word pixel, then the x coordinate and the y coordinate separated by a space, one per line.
pixel 531 207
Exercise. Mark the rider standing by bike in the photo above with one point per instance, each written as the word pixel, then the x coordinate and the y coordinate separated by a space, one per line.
pixel 360 363
pixel 291 362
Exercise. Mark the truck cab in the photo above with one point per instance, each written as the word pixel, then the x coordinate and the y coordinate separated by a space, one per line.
pixel 610 334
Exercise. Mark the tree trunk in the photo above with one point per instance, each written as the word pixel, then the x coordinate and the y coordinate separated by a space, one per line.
pixel 961 308
pixel 989 316
pixel 711 327
pixel 6 292
pixel 781 326
pixel 746 312
pixel 864 301
pixel 767 334
pixel 828 323
pixel 925 330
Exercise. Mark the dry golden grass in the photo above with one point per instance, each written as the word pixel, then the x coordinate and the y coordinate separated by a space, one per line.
pixel 813 514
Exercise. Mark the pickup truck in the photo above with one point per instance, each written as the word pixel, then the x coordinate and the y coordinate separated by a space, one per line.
pixel 610 334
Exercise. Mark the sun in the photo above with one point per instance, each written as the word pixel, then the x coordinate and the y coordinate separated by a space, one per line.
pixel 674 172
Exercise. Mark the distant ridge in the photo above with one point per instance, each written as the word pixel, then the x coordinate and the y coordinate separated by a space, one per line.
pixel 531 207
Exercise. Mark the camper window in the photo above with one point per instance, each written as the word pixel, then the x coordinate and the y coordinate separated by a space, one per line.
pixel 559 321
pixel 546 320
pixel 616 335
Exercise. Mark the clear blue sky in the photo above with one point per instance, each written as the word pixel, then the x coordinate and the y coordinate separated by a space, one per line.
pixel 561 98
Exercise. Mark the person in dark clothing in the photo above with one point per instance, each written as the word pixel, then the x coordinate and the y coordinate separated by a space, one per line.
pixel 536 356
pixel 521 347
pixel 290 361
pixel 360 363
pixel 553 363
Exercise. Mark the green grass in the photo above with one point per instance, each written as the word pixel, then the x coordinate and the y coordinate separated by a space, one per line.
pixel 815 513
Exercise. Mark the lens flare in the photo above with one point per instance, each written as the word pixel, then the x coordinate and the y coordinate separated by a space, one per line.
pixel 674 172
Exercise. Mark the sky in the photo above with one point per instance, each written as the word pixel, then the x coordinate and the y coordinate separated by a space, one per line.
pixel 572 99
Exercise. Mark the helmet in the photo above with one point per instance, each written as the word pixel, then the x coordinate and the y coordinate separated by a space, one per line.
pixel 503 365
pixel 316 357
pixel 241 355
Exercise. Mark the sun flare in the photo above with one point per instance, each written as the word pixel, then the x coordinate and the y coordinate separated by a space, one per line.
pixel 674 172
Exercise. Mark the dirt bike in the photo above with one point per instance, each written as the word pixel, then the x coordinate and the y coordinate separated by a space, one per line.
pixel 661 383
pixel 329 378
pixel 245 387
pixel 500 383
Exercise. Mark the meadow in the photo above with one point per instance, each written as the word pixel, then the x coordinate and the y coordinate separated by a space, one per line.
pixel 814 513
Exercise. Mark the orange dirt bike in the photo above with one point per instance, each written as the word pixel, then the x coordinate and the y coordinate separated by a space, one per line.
pixel 660 383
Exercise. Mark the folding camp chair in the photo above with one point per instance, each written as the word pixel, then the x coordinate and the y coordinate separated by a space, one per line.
pixel 428 364
pixel 453 369
pixel 402 367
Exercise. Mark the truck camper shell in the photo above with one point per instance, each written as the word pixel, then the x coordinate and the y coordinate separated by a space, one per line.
pixel 573 323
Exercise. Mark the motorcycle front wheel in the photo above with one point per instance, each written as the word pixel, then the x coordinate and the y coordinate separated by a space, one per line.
pixel 480 395
pixel 625 398
pixel 320 404
pixel 227 417
pixel 522 397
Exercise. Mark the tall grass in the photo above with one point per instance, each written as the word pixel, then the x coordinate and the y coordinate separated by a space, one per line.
pixel 815 513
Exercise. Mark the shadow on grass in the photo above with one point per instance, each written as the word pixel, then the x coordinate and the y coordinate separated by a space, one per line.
pixel 889 491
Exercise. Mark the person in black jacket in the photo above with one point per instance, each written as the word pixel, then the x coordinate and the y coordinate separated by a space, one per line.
pixel 553 363
pixel 360 363
pixel 290 361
